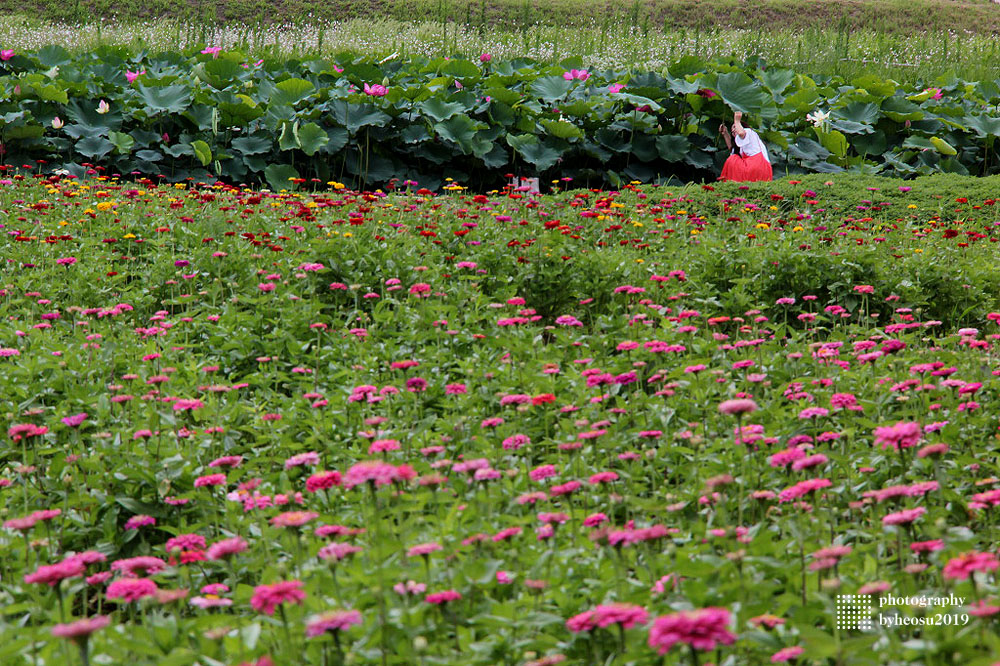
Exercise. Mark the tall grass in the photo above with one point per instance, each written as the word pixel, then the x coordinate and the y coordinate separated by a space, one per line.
pixel 834 50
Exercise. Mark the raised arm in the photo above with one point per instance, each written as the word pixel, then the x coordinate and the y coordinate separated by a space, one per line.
pixel 724 131
pixel 738 128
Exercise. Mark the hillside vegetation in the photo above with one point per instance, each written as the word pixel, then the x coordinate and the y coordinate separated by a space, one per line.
pixel 892 16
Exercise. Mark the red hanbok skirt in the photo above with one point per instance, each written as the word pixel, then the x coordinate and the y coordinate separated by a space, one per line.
pixel 739 169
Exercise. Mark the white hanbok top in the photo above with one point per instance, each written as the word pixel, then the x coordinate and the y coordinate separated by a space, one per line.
pixel 751 144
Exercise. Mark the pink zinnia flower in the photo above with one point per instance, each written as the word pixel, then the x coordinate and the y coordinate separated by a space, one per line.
pixel 904 517
pixel 135 522
pixel 226 548
pixel 80 631
pixel 787 654
pixel 626 615
pixel 332 621
pixel 268 597
pixel 310 458
pixel 131 589
pixel 802 488
pixel 75 420
pixel 322 481
pixel 374 472
pixel 903 435
pixel 444 597
pixel 963 566
pixel 210 480
pixel 423 549
pixel 53 574
pixel 293 518
pixel 738 407
pixel 702 629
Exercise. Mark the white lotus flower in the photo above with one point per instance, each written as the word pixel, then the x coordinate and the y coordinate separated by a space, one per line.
pixel 103 107
pixel 818 118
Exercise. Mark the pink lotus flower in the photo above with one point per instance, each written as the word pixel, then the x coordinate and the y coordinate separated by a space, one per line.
pixel 376 90
pixel 131 76
pixel 577 74
pixel 212 51
pixel 6 54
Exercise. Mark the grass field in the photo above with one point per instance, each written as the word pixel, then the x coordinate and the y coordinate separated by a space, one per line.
pixel 888 16
pixel 839 49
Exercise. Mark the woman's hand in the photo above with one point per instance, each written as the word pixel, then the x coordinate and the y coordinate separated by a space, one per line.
pixel 723 130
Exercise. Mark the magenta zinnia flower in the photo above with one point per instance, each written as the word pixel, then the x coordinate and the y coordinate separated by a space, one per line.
pixel 963 566
pixel 903 435
pixel 738 407
pixel 53 574
pixel 226 548
pixel 131 589
pixel 267 597
pixel 80 631
pixel 627 615
pixel 702 629
pixel 332 621
pixel 444 597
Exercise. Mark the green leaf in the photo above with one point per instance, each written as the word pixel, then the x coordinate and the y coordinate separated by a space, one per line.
pixel 919 142
pixel 639 101
pixel 291 91
pixel 835 142
pixel 866 114
pixel 808 150
pixel 279 175
pixel 740 92
pixel 356 116
pixel 53 55
pixel 149 155
pixel 240 112
pixel 550 88
pixel 943 146
pixel 289 139
pixel 440 110
pixel 875 85
pixel 461 69
pixel 562 129
pixel 900 110
pixel 219 72
pixel 123 142
pixel 172 99
pixel 505 95
pixel 534 151
pixel 777 80
pixel 983 125
pixel 51 93
pixel 252 145
pixel 202 152
pixel 672 148
pixel 461 130
pixel 94 147
pixel 312 137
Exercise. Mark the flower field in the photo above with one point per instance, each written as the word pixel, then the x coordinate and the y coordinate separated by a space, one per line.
pixel 644 426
